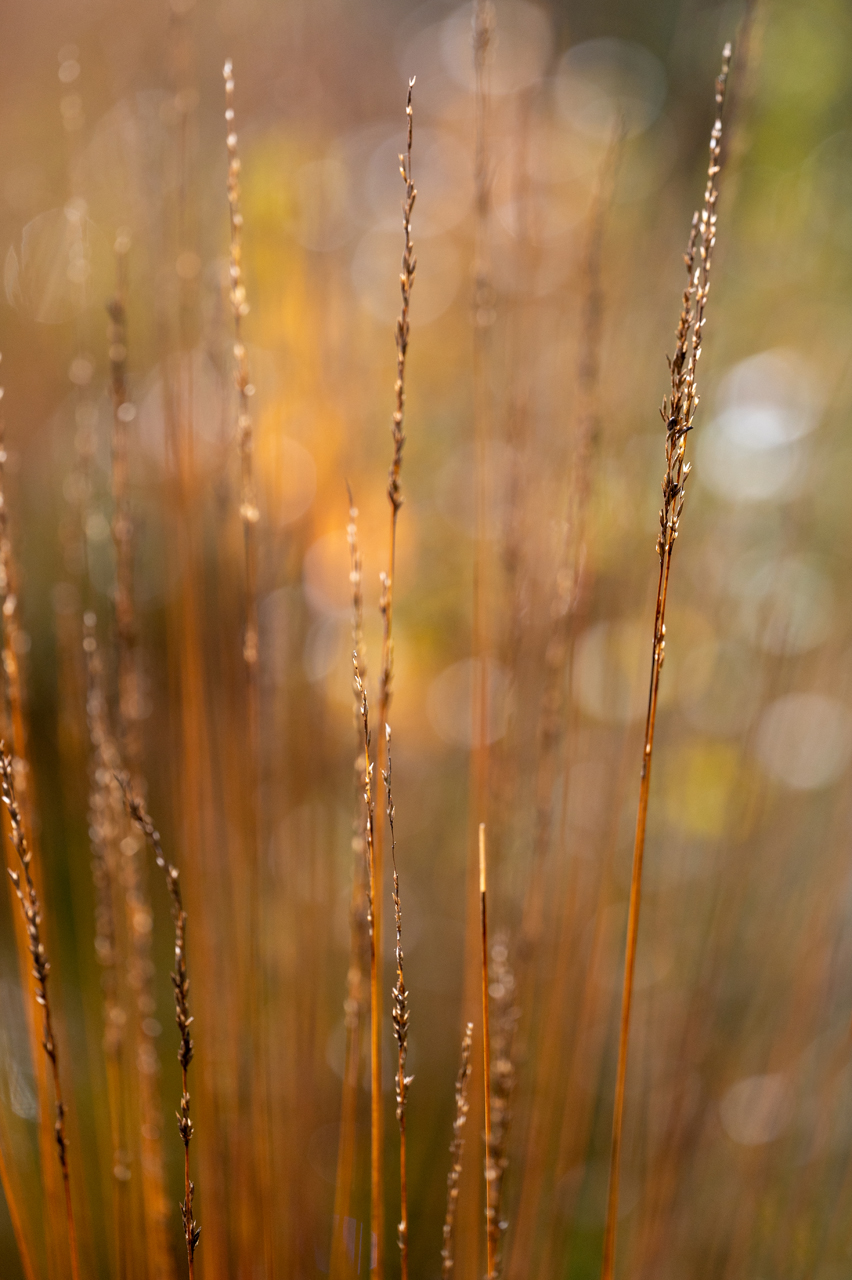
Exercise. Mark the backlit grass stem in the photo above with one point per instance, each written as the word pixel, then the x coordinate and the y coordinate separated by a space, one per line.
pixel 678 411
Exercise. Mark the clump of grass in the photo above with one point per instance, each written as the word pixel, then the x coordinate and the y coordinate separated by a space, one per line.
pixel 31 907
pixel 183 1018
pixel 678 412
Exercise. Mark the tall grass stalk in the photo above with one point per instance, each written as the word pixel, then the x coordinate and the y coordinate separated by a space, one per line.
pixel 388 581
pixel 31 908
pixel 678 412
pixel 250 517
pixel 353 1005
pixel 400 1026
pixel 183 1018
pixel 14 729
pixel 106 812
pixel 375 1024
pixel 129 750
pixel 456 1153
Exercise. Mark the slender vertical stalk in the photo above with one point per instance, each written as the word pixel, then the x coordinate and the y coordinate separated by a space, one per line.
pixel 456 1154
pixel 678 412
pixel 375 1025
pixel 129 742
pixel 105 823
pixel 31 907
pixel 249 513
pixel 406 281
pixel 250 516
pixel 183 1018
pixel 354 1002
pixel 490 1212
pixel 400 1027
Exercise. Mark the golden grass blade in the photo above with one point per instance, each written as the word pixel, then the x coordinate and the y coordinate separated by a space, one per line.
pixel 456 1154
pixel 354 1003
pixel 388 581
pixel 400 1026
pixel 32 910
pixel 375 1024
pixel 183 1018
pixel 678 413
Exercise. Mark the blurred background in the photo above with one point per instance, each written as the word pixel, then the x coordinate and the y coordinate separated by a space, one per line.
pixel 739 1097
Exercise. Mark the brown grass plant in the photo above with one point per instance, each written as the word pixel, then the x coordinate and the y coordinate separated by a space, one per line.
pixel 678 412
pixel 25 890
pixel 249 513
pixel 400 1017
pixel 354 1002
pixel 388 583
pixel 15 733
pixel 376 1181
pixel 456 1153
pixel 128 749
pixel 249 517
pixel 106 814
pixel 180 982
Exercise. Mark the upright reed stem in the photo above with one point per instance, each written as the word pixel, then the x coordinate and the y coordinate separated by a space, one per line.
pixel 375 1025
pixel 249 513
pixel 180 982
pixel 400 1027
pixel 456 1153
pixel 353 1005
pixel 106 819
pixel 140 967
pixel 678 411
pixel 406 281
pixel 31 907
pixel 250 516
pixel 490 1212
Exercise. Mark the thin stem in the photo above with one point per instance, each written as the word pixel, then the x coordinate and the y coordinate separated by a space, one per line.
pixel 354 1003
pixel 183 1018
pixel 140 968
pixel 406 281
pixel 400 1027
pixel 31 907
pixel 456 1153
pixel 105 823
pixel 677 412
pixel 490 1213
pixel 375 1024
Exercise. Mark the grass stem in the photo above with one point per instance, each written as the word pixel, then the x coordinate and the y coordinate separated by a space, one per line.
pixel 678 412
pixel 31 907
